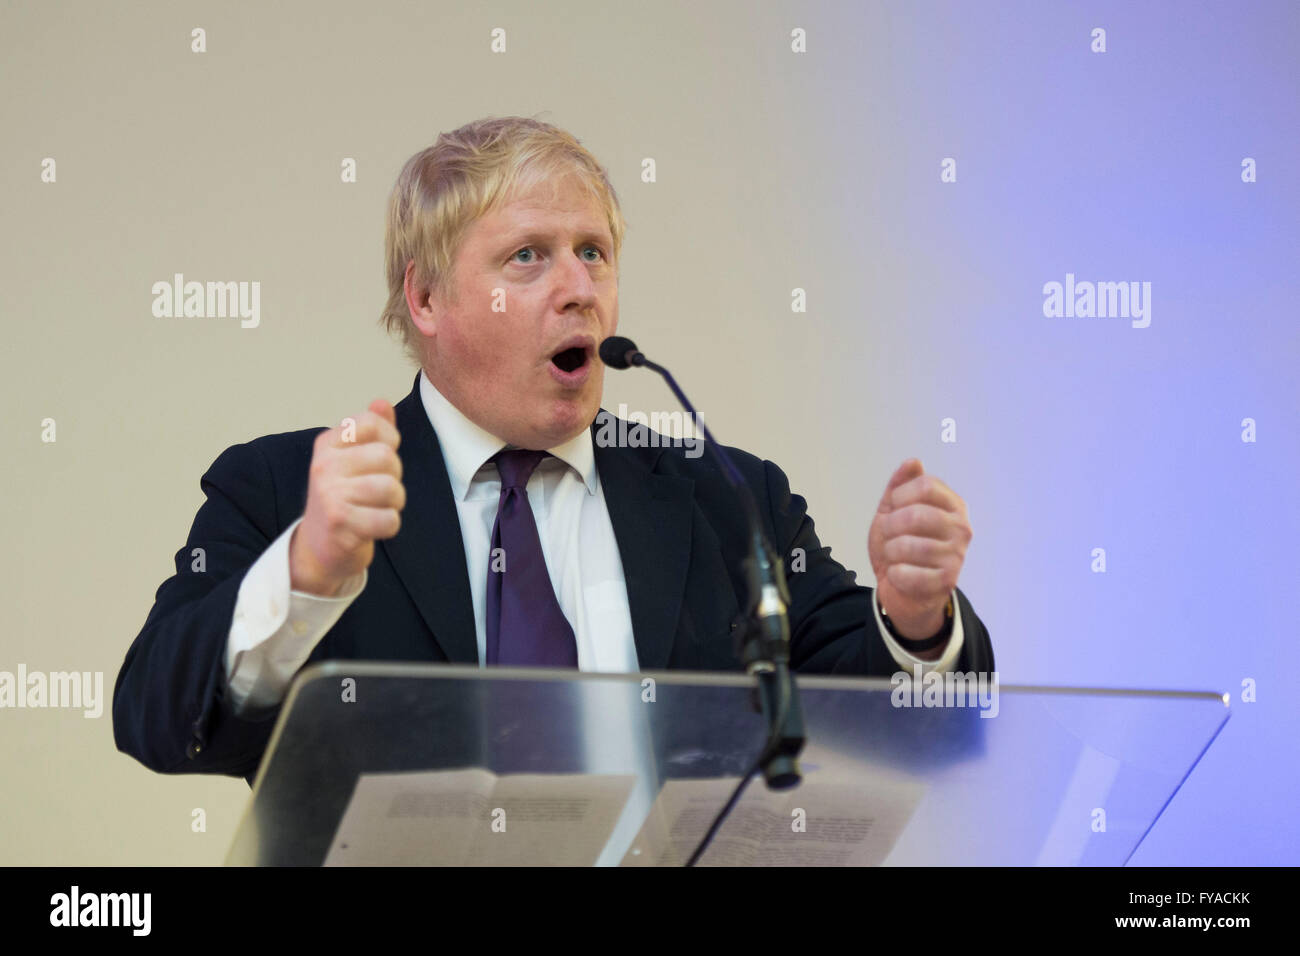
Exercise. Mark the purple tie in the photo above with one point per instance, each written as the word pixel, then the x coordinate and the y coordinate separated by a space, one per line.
pixel 525 626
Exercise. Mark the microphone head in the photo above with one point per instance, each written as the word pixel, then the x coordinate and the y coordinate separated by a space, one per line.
pixel 619 352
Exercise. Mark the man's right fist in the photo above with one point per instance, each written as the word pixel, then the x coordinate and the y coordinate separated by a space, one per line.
pixel 354 497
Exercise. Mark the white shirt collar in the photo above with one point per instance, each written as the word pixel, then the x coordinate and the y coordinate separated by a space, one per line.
pixel 466 447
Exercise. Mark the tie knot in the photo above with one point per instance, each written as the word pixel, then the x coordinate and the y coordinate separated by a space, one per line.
pixel 516 466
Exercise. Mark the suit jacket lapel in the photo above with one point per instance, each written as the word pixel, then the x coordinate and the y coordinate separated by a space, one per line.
pixel 428 552
pixel 651 516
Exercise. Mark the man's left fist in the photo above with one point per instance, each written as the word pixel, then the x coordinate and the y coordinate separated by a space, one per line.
pixel 917 544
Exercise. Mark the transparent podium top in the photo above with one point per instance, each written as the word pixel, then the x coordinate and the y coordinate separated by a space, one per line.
pixel 375 763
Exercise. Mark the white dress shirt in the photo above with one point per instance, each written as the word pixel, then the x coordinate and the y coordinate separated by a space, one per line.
pixel 274 628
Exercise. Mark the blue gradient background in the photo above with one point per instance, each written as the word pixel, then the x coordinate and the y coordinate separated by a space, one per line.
pixel 1116 166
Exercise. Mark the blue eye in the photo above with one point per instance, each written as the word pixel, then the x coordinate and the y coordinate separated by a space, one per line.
pixel 530 249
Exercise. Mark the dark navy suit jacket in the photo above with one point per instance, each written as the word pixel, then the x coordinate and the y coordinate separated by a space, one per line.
pixel 681 535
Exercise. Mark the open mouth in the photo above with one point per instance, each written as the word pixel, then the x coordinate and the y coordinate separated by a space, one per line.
pixel 570 360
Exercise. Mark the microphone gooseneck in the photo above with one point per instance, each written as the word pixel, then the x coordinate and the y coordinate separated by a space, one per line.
pixel 763 646
pixel 619 353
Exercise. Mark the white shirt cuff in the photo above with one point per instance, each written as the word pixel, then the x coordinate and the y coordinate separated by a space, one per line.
pixel 905 660
pixel 274 629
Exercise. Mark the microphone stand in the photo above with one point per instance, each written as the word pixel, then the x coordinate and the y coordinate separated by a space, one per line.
pixel 764 643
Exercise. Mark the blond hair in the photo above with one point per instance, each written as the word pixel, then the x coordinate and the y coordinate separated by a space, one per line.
pixel 465 174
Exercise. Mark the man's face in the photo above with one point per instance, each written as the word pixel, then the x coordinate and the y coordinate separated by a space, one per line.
pixel 529 372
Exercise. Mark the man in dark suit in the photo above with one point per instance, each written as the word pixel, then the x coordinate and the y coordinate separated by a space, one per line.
pixel 526 538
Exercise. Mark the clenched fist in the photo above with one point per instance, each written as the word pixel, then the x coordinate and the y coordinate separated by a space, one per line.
pixel 354 497
pixel 917 543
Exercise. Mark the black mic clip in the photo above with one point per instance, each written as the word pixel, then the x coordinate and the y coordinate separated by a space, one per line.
pixel 763 646
pixel 764 636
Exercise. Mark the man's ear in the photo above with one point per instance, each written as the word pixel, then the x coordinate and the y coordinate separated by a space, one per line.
pixel 420 302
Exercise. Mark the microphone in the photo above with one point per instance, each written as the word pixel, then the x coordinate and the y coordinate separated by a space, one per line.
pixel 618 352
pixel 764 646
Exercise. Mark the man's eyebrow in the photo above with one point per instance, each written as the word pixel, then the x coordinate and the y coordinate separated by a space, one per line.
pixel 534 236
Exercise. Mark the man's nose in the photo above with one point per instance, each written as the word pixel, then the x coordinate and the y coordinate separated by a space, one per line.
pixel 575 285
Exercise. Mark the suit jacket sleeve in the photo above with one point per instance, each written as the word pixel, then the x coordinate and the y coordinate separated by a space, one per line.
pixel 171 707
pixel 832 623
